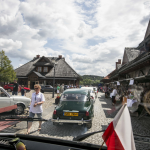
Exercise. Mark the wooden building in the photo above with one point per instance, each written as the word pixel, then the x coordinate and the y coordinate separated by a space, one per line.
pixel 41 70
pixel 135 64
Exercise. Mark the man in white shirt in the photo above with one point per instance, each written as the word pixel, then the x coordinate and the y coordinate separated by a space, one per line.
pixel 37 100
pixel 114 93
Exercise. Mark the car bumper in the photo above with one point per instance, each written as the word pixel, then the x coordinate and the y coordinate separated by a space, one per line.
pixel 71 121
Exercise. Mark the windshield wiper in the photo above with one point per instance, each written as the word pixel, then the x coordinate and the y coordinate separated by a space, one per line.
pixel 84 136
pixel 137 137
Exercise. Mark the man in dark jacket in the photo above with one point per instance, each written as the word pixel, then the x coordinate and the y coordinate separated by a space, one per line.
pixel 15 89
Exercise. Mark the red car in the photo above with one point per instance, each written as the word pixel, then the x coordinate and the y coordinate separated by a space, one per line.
pixel 10 87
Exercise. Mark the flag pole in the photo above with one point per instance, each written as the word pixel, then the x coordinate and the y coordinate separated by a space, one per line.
pixel 101 146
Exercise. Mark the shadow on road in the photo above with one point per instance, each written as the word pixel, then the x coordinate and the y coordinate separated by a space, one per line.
pixel 109 110
pixel 70 130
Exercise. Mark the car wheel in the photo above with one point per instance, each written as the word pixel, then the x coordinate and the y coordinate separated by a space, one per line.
pixel 19 110
pixel 9 90
pixel 89 125
pixel 55 123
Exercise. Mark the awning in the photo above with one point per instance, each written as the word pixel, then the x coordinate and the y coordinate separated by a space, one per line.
pixel 140 78
pixel 125 80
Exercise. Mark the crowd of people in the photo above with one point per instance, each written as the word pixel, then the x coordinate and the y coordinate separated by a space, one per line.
pixel 118 92
pixel 62 88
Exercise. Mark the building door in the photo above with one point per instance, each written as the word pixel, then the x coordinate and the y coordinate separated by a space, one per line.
pixel 32 85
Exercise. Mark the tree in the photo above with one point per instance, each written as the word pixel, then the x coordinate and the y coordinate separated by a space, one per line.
pixel 7 73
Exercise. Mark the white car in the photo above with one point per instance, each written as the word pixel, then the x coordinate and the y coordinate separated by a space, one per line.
pixel 8 100
pixel 95 90
pixel 92 93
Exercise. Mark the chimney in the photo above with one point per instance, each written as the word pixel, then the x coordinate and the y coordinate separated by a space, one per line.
pixel 116 65
pixel 119 61
pixel 37 56
pixel 60 56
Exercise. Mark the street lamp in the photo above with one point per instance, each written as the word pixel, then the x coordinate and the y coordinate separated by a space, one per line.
pixel 54 63
pixel 74 79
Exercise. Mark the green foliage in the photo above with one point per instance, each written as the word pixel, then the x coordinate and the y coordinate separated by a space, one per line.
pixel 91 80
pixel 92 77
pixel 7 73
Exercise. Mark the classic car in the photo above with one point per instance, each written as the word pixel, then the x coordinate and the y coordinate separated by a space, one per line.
pixel 9 88
pixel 8 100
pixel 47 88
pixel 91 90
pixel 76 106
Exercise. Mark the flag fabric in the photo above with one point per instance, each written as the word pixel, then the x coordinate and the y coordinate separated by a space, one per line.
pixel 119 134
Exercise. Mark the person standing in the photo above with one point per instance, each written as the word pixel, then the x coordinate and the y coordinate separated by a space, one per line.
pixel 62 88
pixel 114 93
pixel 15 88
pixel 37 100
pixel 106 90
pixel 58 89
pixel 23 92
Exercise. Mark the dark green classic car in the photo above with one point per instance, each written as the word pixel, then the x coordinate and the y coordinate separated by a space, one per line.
pixel 75 106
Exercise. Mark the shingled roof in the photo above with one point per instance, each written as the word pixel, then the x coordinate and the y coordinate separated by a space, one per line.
pixel 108 76
pixel 62 69
pixel 130 53
pixel 38 74
pixel 25 69
pixel 147 31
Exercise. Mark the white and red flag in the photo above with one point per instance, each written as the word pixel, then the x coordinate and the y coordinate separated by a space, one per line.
pixel 119 135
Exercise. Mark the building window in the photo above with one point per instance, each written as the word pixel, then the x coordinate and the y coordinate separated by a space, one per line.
pixel 45 69
pixel 39 69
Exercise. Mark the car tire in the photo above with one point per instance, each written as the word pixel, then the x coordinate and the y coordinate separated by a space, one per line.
pixel 19 110
pixel 55 124
pixel 89 125
pixel 9 90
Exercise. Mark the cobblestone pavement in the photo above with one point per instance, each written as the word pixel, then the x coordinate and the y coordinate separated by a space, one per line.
pixel 104 114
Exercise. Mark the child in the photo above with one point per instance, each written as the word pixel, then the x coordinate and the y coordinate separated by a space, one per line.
pixel 23 92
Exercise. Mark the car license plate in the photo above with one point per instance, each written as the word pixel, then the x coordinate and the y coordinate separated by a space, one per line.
pixel 70 114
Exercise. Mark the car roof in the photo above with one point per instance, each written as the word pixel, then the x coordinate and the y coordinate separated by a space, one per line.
pixel 91 88
pixel 76 91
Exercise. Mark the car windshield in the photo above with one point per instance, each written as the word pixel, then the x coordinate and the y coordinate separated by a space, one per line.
pixel 73 97
pixel 4 93
pixel 76 64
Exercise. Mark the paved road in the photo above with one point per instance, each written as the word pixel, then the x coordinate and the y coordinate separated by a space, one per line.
pixel 104 114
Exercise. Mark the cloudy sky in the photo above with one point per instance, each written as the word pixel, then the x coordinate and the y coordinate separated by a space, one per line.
pixel 90 34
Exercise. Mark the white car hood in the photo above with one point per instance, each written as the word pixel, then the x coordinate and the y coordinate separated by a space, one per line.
pixel 19 97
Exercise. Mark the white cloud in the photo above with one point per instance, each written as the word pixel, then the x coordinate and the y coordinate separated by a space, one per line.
pixel 10 45
pixel 90 34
